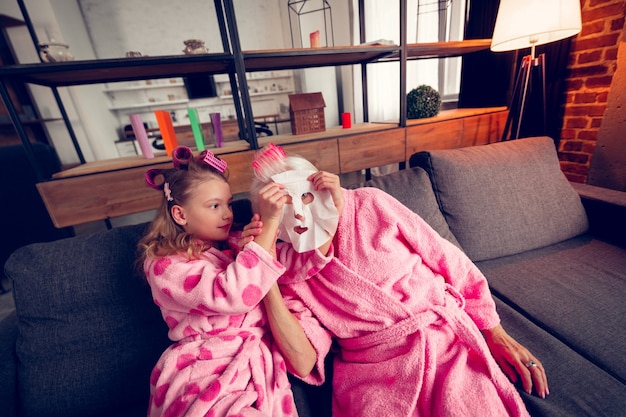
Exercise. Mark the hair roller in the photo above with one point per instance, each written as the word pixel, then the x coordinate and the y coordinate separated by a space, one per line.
pixel 152 179
pixel 268 161
pixel 181 156
pixel 201 156
pixel 212 160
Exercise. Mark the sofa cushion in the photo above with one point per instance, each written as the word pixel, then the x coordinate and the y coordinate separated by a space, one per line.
pixel 573 289
pixel 413 188
pixel 89 332
pixel 577 386
pixel 504 198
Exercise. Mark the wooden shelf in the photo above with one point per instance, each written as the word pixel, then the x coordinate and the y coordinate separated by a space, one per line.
pixel 127 162
pixel 143 87
pixel 444 49
pixel 277 59
pixel 148 104
pixel 264 93
pixel 61 74
pixel 32 122
pixel 128 69
pixel 8 21
pixel 331 132
pixel 455 114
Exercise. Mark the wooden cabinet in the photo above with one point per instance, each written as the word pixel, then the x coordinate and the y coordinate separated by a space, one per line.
pixel 371 150
pixel 484 129
pixel 114 188
pixel 324 153
pixel 116 191
pixel 456 129
pixel 438 135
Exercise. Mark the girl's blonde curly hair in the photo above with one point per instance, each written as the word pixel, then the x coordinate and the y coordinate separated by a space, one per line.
pixel 164 236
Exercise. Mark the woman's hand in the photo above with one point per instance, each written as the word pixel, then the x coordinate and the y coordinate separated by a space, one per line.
pixel 515 359
pixel 323 180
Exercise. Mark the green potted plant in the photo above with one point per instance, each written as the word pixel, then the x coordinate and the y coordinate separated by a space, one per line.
pixel 423 101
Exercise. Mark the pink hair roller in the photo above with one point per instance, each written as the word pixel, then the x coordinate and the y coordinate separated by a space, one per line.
pixel 214 161
pixel 151 179
pixel 181 156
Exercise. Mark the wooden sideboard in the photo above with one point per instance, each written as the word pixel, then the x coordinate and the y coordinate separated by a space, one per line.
pixel 107 189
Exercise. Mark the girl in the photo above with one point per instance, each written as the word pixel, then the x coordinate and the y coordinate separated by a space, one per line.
pixel 234 336
pixel 407 309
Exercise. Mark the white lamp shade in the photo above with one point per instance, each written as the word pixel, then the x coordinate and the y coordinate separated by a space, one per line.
pixel 525 23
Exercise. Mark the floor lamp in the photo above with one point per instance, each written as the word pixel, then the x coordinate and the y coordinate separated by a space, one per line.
pixel 522 24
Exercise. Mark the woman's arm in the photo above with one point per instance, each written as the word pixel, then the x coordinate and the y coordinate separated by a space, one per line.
pixel 299 354
pixel 515 359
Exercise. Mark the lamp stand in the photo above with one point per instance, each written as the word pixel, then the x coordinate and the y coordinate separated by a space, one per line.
pixel 519 98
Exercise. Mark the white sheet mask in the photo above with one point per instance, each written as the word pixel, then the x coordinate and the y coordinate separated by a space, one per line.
pixel 311 218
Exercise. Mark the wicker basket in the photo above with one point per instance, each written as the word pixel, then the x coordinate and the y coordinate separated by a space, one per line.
pixel 307 113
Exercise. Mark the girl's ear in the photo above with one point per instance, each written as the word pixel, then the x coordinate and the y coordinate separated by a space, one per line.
pixel 178 214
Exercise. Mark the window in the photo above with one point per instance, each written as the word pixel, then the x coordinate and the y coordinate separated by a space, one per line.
pixel 427 21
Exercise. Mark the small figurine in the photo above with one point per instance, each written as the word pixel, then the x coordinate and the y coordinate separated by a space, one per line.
pixel 55 52
pixel 194 46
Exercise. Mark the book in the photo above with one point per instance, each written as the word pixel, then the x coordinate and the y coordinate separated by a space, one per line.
pixel 167 130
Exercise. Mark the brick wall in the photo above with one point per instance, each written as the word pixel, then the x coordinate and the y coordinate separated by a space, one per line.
pixel 593 61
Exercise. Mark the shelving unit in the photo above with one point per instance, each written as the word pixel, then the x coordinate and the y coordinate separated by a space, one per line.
pixel 100 202
pixel 175 87
pixel 150 104
pixel 258 84
pixel 173 83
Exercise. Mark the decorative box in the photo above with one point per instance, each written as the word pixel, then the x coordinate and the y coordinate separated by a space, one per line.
pixel 307 113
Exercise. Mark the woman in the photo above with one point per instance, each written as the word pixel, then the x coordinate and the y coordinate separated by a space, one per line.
pixel 416 325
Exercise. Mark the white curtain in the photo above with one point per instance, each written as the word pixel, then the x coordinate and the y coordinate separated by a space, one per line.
pixel 382 21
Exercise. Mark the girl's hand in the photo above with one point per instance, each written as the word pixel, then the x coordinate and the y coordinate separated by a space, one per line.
pixel 272 198
pixel 252 229
pixel 323 180
pixel 515 359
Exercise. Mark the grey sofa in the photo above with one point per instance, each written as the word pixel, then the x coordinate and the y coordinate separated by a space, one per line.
pixel 86 333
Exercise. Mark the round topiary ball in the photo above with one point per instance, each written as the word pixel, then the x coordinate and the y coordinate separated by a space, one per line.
pixel 423 101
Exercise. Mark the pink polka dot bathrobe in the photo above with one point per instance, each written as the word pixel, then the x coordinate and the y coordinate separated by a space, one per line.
pixel 224 362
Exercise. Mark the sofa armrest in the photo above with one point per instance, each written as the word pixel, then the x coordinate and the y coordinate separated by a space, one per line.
pixel 8 365
pixel 606 211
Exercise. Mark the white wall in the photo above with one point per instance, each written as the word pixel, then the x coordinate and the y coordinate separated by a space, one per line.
pixel 159 27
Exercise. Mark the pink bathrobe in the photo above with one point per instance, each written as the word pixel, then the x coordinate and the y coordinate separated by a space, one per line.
pixel 406 307
pixel 224 361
